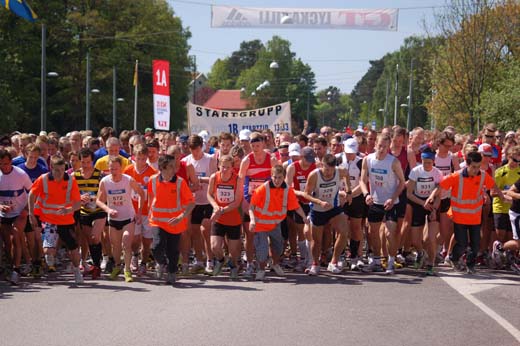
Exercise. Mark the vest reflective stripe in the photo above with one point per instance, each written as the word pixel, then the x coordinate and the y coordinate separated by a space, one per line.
pixel 45 205
pixel 265 210
pixel 473 206
pixel 166 210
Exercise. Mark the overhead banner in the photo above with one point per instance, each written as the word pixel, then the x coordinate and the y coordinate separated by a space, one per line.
pixel 304 18
pixel 276 117
pixel 161 94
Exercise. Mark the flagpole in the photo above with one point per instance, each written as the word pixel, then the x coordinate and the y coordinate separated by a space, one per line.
pixel 136 83
pixel 43 82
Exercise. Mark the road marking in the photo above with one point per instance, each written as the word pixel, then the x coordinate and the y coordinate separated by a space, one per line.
pixel 468 286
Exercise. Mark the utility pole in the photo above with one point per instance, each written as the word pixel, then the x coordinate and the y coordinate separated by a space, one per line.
pixel 114 99
pixel 409 117
pixel 43 82
pixel 385 116
pixel 87 94
pixel 396 91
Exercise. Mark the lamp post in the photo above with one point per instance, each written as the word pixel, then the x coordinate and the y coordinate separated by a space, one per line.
pixel 43 119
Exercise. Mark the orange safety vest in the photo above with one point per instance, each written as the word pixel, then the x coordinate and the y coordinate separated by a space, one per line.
pixel 267 218
pixel 467 210
pixel 52 203
pixel 166 204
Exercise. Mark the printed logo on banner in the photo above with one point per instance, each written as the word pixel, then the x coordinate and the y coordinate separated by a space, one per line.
pixel 236 18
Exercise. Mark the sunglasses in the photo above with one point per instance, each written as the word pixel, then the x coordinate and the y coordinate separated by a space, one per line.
pixel 489 136
pixel 324 133
pixel 515 160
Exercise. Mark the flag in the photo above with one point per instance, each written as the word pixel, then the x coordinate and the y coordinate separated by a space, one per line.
pixel 20 8
pixel 135 74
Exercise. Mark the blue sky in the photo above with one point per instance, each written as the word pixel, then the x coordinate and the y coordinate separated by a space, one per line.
pixel 337 57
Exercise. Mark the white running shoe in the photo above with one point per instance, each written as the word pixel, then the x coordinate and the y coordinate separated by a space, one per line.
pixel 104 263
pixel 134 263
pixel 314 270
pixel 15 278
pixel 248 273
pixel 260 275
pixel 78 277
pixel 334 268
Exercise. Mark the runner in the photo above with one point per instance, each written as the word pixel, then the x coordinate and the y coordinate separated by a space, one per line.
pixel 92 218
pixel 170 202
pixel 225 193
pixel 59 197
pixel 141 171
pixel 14 185
pixel 323 190
pixel 115 198
pixel 268 208
pixel 386 178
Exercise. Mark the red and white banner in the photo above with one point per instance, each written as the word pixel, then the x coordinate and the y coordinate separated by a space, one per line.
pixel 304 18
pixel 161 94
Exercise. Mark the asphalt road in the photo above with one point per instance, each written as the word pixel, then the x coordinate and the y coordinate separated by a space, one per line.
pixel 346 309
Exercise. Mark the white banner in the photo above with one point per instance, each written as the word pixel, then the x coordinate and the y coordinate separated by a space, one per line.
pixel 307 18
pixel 161 112
pixel 276 117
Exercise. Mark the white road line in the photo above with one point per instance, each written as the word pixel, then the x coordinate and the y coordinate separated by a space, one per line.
pixel 467 286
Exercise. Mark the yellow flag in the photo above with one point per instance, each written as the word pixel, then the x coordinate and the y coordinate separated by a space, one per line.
pixel 135 73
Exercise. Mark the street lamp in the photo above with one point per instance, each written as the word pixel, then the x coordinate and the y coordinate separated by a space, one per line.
pixel 274 65
pixel 43 120
pixel 303 80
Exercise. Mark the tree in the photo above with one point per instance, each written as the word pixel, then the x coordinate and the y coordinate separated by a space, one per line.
pixel 116 33
pixel 219 77
pixel 500 104
pixel 475 47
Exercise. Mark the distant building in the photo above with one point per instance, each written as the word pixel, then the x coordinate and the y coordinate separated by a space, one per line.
pixel 226 99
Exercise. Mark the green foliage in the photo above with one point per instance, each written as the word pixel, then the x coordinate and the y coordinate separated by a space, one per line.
pixel 116 33
pixel 500 104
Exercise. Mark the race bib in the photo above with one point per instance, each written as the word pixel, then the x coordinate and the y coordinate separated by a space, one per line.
pixel 225 194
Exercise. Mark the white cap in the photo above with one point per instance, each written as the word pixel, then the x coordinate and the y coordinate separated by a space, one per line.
pixel 205 135
pixel 244 135
pixel 294 149
pixel 351 146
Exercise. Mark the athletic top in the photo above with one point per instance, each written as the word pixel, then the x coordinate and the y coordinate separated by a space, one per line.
pixel 14 187
pixel 354 171
pixel 257 174
pixel 119 197
pixel 90 186
pixel 300 178
pixel 383 181
pixel 327 190
pixel 425 182
pixel 403 160
pixel 515 206
pixel 445 165
pixel 142 179
pixel 224 194
pixel 505 177
pixel 202 169
pixel 35 172
pixel 103 164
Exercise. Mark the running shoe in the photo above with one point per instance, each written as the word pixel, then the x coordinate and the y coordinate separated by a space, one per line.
pixel 197 268
pixel 185 269
pixel 217 269
pixel 260 275
pixel 471 270
pixel 142 269
pixel 51 269
pixel 278 270
pixel 419 261
pixel 14 278
pixel 37 271
pixel 314 270
pixel 248 273
pixel 400 258
pixel 26 269
pixel 109 268
pixel 496 254
pixel 449 262
pixel 515 267
pixel 481 261
pixel 334 268
pixel 172 278
pixel 300 266
pixel 357 264
pixel 390 269
pixel 95 272
pixel 429 271
pixel 233 275
pixel 104 263
pixel 128 276
pixel 159 270
pixel 134 263
pixel 209 268
pixel 115 272
pixel 78 276
pixel 374 268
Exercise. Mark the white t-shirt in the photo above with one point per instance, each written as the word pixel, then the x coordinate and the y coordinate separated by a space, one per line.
pixel 425 182
pixel 202 169
pixel 119 197
pixel 13 191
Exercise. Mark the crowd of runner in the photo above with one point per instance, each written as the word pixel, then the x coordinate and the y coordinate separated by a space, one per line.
pixel 242 205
